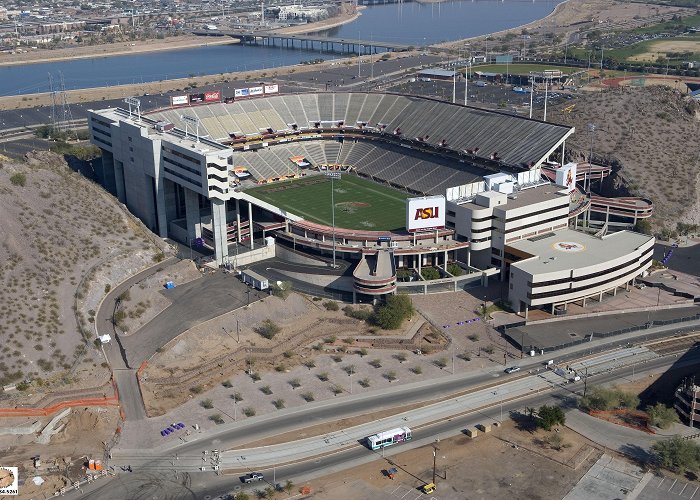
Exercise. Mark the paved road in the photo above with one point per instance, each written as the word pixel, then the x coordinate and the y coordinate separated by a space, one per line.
pixel 683 259
pixel 200 485
pixel 192 303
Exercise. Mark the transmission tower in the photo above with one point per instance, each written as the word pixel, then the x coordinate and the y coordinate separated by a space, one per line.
pixel 53 103
pixel 66 115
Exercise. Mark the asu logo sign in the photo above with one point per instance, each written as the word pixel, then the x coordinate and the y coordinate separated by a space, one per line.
pixel 425 214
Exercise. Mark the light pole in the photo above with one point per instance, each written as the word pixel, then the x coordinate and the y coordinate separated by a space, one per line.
pixel 333 176
pixel 591 129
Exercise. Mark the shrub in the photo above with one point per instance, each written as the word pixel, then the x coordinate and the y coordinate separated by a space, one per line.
pixel 455 269
pixel 489 349
pixel 661 415
pixel 197 389
pixel 362 352
pixel 474 337
pixel 268 329
pixel 22 386
pixel 266 390
pixel 255 376
pixel 295 383
pixel 281 368
pixel 336 389
pixel 236 396
pixel 337 358
pixel 430 273
pixel 310 364
pixel 207 404
pixel 227 384
pixel 364 382
pixel 331 305
pixel 307 396
pixel 323 376
pixel 600 398
pixel 390 376
pixel 416 369
pixel 281 289
pixel 18 179
pixel 278 403
pixel 216 418
pixel 159 257
pixel 349 369
pixel 287 354
pixel 360 313
pixel 376 363
pixel 440 363
pixel 401 357
pixel 108 287
pixel 249 411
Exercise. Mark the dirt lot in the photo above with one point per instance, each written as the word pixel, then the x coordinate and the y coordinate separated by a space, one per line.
pixel 59 228
pixel 663 47
pixel 307 330
pixel 646 129
pixel 62 459
pixel 507 464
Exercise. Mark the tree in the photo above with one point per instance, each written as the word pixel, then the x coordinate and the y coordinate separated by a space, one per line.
pixel 397 308
pixel 677 454
pixel 549 416
pixel 661 415
pixel 455 269
pixel 643 226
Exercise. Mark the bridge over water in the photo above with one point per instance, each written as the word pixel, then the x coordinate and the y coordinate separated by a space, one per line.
pixel 308 42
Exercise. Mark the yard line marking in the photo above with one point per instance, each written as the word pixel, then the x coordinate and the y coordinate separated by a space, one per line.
pixel 674 483
pixel 696 490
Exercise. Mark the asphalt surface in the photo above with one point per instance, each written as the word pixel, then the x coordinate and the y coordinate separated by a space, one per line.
pixel 192 303
pixel 683 259
pixel 201 485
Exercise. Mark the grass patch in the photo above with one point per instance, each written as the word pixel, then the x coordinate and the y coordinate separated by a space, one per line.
pixel 359 203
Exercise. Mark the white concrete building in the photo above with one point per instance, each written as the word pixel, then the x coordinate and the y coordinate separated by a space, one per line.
pixel 559 267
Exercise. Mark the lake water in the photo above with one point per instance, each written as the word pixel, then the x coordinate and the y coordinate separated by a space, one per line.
pixel 409 23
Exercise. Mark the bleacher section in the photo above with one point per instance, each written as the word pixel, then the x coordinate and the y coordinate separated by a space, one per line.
pixel 404 169
pixel 512 140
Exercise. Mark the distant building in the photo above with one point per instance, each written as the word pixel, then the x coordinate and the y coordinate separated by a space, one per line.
pixel 437 74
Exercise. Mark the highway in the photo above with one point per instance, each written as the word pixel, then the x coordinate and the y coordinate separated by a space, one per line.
pixel 158 480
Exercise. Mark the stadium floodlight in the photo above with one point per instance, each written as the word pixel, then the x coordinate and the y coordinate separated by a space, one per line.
pixel 136 103
pixel 333 176
pixel 192 120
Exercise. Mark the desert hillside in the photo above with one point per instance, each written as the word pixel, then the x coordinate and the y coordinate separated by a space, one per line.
pixel 652 132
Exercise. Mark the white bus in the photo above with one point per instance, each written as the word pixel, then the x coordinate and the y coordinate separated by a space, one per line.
pixel 387 438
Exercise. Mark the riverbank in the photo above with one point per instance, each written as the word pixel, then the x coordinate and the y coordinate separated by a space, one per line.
pixel 113 49
pixel 172 43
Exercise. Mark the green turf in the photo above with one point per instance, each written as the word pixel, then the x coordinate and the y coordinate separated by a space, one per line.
pixel 359 203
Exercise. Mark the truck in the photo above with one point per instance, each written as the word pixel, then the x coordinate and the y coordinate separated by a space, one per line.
pixel 255 280
pixel 253 477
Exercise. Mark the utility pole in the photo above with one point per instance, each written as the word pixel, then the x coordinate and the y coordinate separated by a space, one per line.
pixel 435 450
pixel 585 382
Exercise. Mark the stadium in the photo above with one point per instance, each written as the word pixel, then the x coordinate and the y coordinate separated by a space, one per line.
pixel 391 183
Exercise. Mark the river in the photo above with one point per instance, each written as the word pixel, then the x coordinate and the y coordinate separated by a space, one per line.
pixel 408 23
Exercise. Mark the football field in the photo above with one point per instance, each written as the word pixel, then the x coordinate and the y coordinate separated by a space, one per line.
pixel 359 203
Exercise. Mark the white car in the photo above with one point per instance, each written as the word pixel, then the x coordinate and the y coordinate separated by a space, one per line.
pixel 512 369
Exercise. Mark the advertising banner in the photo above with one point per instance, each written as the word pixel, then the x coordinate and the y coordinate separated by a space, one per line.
pixel 212 96
pixel 240 92
pixel 255 90
pixel 178 100
pixel 272 89
pixel 194 98
pixel 566 176
pixel 425 214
